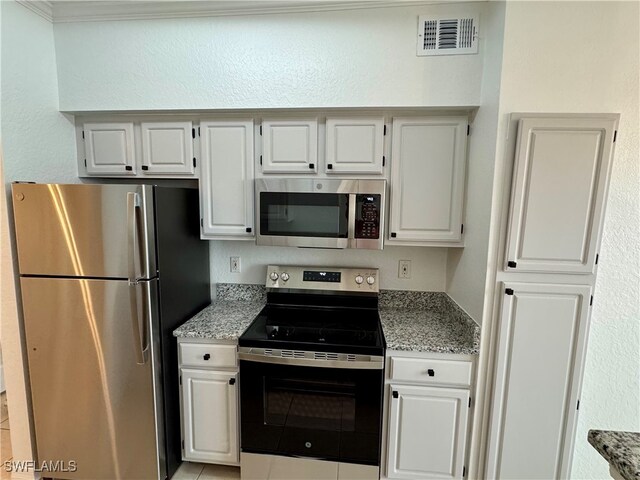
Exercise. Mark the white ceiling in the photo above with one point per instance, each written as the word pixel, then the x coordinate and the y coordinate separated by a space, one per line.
pixel 83 10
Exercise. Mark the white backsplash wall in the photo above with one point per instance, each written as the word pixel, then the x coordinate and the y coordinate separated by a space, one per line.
pixel 428 265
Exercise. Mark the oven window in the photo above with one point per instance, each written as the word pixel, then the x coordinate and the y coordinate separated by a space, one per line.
pixel 304 214
pixel 307 404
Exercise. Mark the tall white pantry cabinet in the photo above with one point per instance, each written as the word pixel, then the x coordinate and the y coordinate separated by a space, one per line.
pixel 545 290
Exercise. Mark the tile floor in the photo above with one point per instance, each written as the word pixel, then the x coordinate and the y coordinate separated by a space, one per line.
pixel 198 471
pixel 5 439
pixel 187 471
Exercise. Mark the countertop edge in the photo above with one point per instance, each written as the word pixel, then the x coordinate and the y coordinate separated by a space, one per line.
pixel 612 454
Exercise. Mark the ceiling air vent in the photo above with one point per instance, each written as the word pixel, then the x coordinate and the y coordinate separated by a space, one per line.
pixel 446 35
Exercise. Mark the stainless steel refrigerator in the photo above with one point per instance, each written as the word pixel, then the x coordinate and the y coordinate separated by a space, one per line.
pixel 107 272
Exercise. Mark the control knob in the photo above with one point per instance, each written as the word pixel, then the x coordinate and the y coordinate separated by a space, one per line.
pixel 273 276
pixel 284 276
pixel 371 280
pixel 359 279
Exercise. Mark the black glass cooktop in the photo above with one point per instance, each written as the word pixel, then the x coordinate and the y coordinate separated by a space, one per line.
pixel 327 329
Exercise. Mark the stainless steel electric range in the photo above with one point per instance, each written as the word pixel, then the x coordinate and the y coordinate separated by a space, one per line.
pixel 311 377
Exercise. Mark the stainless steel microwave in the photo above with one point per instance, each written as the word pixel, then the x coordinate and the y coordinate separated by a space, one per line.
pixel 317 213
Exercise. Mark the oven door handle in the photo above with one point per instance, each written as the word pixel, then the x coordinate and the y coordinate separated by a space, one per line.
pixel 362 362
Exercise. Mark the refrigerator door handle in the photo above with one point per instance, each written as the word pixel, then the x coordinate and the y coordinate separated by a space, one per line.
pixel 140 335
pixel 133 205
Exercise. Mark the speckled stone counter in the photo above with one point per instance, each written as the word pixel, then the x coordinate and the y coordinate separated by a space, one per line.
pixel 412 321
pixel 427 322
pixel 235 308
pixel 620 449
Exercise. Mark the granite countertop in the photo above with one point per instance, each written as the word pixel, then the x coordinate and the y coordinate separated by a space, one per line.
pixel 427 322
pixel 620 449
pixel 411 321
pixel 235 308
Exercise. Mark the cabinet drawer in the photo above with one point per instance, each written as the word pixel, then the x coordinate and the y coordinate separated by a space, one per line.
pixel 205 355
pixel 422 370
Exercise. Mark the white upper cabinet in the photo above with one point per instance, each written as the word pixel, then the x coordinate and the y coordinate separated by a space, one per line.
pixel 427 432
pixel 167 148
pixel 427 180
pixel 226 179
pixel 354 145
pixel 542 341
pixel 560 180
pixel 109 148
pixel 289 146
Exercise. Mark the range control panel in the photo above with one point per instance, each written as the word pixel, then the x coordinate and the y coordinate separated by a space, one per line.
pixel 364 280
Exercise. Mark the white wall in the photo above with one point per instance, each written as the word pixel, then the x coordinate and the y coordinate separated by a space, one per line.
pixel 467 267
pixel 583 57
pixel 38 144
pixel 38 141
pixel 428 264
pixel 347 58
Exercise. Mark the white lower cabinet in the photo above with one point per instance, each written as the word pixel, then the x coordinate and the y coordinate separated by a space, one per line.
pixel 209 401
pixel 542 342
pixel 427 415
pixel 427 432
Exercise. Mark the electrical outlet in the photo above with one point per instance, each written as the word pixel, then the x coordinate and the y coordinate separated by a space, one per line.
pixel 404 269
pixel 235 265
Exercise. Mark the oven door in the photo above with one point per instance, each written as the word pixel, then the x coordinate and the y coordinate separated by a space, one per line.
pixel 302 411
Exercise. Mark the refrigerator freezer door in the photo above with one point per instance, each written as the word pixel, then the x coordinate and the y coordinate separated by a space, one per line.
pixel 92 402
pixel 103 231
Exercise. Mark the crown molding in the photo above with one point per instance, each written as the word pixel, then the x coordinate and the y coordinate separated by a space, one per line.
pixel 96 11
pixel 40 7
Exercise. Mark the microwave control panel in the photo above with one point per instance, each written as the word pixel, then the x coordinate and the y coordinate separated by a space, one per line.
pixel 367 216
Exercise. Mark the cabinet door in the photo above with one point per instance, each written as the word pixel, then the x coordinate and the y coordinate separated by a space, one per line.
pixel 289 146
pixel 226 179
pixel 427 179
pixel 561 175
pixel 355 145
pixel 210 416
pixel 427 432
pixel 542 339
pixel 167 148
pixel 109 148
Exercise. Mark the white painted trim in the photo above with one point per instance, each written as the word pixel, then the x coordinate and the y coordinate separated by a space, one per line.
pixel 96 11
pixel 42 8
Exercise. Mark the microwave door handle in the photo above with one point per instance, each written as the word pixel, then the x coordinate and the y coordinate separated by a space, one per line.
pixel 351 227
